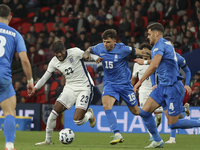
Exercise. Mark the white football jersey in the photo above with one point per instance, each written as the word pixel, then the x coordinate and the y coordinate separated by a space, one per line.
pixel 138 71
pixel 73 68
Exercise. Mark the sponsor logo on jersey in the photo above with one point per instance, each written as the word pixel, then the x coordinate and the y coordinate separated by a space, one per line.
pixel 155 49
pixel 102 54
pixel 172 112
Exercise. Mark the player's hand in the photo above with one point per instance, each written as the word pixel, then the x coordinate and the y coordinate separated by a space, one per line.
pixel 99 60
pixel 137 86
pixel 30 89
pixel 188 89
pixel 146 52
pixel 139 61
pixel 86 55
pixel 155 86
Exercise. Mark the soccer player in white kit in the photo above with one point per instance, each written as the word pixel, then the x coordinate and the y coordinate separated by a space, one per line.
pixel 78 89
pixel 146 87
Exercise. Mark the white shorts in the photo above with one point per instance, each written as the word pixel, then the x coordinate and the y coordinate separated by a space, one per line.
pixel 143 96
pixel 81 98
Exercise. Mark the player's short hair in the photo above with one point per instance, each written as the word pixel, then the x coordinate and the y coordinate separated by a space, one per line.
pixel 58 46
pixel 4 11
pixel 109 33
pixel 156 26
pixel 145 45
pixel 168 39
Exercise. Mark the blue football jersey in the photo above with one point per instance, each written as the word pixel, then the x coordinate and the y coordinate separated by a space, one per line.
pixel 168 70
pixel 181 60
pixel 10 40
pixel 115 63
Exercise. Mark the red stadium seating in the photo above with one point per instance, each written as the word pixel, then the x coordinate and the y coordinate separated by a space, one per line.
pixel 179 51
pixel 145 21
pixel 26 27
pixel 132 26
pixel 50 26
pixel 38 27
pixel 194 46
pixel 72 45
pixel 43 9
pixel 64 19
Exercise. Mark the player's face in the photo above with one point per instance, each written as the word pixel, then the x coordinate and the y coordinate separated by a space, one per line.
pixel 151 36
pixel 109 44
pixel 60 55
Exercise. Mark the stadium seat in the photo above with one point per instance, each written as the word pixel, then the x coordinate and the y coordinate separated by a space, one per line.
pixel 63 29
pixel 50 26
pixel 15 20
pixel 117 23
pixel 194 46
pixel 145 21
pixel 161 16
pixel 179 51
pixel 53 87
pixel 31 14
pixel 72 44
pixel 116 18
pixel 132 26
pixel 43 9
pixel 64 19
pixel 175 18
pixel 189 12
pixel 26 27
pixel 38 27
pixel 179 29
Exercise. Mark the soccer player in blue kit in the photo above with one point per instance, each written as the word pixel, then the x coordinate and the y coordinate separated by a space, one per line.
pixel 181 64
pixel 117 77
pixel 10 40
pixel 170 90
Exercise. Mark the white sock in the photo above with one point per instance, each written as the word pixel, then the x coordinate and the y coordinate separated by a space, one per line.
pixel 9 145
pixel 87 116
pixel 149 133
pixel 172 138
pixel 51 124
pixel 158 119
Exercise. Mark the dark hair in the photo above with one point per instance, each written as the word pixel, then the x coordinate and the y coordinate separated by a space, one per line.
pixel 146 45
pixel 58 46
pixel 168 39
pixel 109 33
pixel 4 11
pixel 156 26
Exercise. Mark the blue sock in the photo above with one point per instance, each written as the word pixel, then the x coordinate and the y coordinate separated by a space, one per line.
pixel 150 124
pixel 173 133
pixel 9 128
pixel 183 109
pixel 112 121
pixel 185 124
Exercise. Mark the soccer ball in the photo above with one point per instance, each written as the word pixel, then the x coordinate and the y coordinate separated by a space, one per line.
pixel 66 136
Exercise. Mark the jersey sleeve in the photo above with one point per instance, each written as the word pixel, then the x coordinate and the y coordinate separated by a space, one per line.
pixel 135 70
pixel 97 49
pixel 78 52
pixel 181 60
pixel 51 67
pixel 20 45
pixel 158 49
pixel 126 50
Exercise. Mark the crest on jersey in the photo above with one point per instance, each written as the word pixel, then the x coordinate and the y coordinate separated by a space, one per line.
pixel 71 60
pixel 116 57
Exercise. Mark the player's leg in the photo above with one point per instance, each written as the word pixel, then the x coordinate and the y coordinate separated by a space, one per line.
pixel 8 106
pixel 109 97
pixel 174 108
pixel 51 122
pixel 82 112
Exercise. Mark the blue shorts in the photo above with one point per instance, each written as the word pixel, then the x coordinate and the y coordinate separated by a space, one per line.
pixel 125 91
pixel 170 97
pixel 6 89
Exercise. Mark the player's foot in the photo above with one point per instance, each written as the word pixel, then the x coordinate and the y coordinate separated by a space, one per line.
pixel 43 143
pixel 92 120
pixel 187 111
pixel 117 139
pixel 151 138
pixel 10 149
pixel 155 144
pixel 170 141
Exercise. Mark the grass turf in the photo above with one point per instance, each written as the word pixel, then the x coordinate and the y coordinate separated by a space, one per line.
pixel 25 140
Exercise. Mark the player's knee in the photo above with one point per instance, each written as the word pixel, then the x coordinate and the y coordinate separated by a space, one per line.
pixel 106 107
pixel 78 122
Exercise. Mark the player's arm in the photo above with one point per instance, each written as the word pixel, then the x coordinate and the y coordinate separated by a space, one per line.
pixel 27 70
pixel 153 81
pixel 86 54
pixel 133 80
pixel 142 61
pixel 187 78
pixel 143 52
pixel 134 74
pixel 150 70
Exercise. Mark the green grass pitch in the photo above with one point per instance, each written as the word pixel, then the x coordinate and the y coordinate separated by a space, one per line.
pixel 25 140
